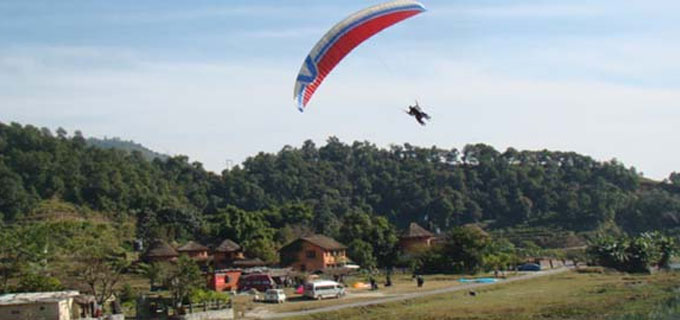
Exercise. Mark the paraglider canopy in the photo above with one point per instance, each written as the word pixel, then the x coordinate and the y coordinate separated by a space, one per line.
pixel 343 38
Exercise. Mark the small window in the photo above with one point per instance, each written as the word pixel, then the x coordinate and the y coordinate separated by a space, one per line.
pixel 16 312
pixel 311 254
pixel 42 308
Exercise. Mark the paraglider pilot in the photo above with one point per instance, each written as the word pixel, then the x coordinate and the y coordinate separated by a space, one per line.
pixel 416 112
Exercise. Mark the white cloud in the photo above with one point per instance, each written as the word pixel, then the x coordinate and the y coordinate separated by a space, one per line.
pixel 521 10
pixel 283 33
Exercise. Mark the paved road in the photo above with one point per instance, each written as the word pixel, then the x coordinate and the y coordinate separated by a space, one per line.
pixel 403 296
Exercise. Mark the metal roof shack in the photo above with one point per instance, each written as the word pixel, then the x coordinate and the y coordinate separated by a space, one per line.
pixel 58 305
pixel 32 297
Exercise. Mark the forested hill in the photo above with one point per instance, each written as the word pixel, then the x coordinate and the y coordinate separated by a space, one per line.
pixel 327 188
pixel 129 146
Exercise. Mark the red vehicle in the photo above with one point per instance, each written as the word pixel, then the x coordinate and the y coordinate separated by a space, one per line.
pixel 260 282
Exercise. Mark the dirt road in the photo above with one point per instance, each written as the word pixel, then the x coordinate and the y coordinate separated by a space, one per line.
pixel 406 296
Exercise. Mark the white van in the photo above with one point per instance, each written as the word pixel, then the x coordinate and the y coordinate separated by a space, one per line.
pixel 324 289
pixel 275 295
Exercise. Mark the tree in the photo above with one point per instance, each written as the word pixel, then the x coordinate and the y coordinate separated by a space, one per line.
pixel 608 251
pixel 184 278
pixel 296 213
pixel 465 247
pixel 361 252
pixel 155 272
pixel 15 200
pixel 34 282
pixel 242 226
pixel 432 260
pixel 262 248
pixel 500 254
pixel 668 247
pixel 632 254
pixel 674 178
pixel 101 272
pixel 376 232
pixel 10 263
pixel 99 259
pixel 23 249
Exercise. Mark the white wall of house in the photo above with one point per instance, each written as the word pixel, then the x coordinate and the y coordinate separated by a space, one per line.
pixel 55 310
pixel 38 306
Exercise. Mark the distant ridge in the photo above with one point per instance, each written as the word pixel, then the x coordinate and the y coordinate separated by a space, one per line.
pixel 127 146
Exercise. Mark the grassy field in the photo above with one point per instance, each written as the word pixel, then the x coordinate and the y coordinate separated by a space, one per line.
pixel 564 296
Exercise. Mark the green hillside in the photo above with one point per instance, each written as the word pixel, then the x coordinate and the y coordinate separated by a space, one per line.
pixel 347 191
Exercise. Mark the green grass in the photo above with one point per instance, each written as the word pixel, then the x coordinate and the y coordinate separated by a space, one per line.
pixel 563 296
pixel 668 310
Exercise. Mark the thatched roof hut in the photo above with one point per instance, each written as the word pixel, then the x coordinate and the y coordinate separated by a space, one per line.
pixel 192 246
pixel 160 250
pixel 416 231
pixel 228 246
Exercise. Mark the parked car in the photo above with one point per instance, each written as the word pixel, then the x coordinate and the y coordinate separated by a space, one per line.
pixel 349 266
pixel 275 295
pixel 529 267
pixel 259 281
pixel 324 289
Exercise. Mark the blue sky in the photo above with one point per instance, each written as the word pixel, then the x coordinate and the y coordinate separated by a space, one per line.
pixel 214 79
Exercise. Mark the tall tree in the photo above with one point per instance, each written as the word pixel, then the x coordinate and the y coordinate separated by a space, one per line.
pixel 184 279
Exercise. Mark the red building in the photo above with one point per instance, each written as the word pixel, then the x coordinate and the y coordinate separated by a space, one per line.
pixel 225 280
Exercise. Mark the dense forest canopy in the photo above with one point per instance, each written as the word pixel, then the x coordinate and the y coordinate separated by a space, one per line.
pixel 354 192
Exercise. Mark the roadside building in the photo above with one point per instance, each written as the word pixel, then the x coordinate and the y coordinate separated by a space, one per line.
pixel 547 262
pixel 225 280
pixel 226 253
pixel 312 253
pixel 160 251
pixel 415 238
pixel 194 250
pixel 59 305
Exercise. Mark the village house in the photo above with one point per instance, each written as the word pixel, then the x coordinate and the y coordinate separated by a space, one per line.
pixel 227 253
pixel 194 250
pixel 312 253
pixel 60 305
pixel 160 251
pixel 415 238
